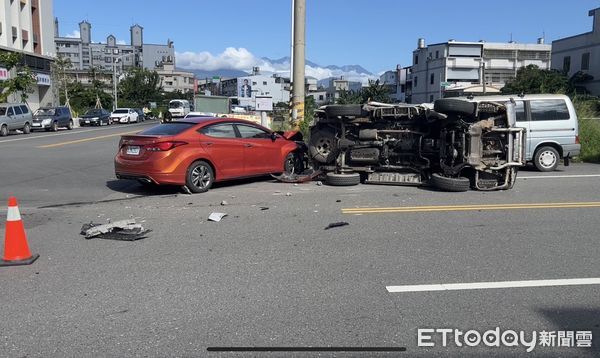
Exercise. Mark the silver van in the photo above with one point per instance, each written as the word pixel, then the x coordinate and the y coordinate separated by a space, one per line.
pixel 551 125
pixel 15 116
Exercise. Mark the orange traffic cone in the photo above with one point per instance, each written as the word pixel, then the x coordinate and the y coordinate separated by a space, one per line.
pixel 16 250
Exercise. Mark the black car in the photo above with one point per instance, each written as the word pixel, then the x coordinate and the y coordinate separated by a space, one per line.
pixel 51 118
pixel 95 117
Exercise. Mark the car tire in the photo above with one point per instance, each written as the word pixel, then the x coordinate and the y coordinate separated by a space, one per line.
pixel 323 146
pixel 54 127
pixel 344 110
pixel 334 179
pixel 292 164
pixel 3 131
pixel 27 128
pixel 546 159
pixel 70 125
pixel 199 177
pixel 450 184
pixel 455 106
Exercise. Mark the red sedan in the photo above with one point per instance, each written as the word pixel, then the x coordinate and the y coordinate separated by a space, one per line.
pixel 197 152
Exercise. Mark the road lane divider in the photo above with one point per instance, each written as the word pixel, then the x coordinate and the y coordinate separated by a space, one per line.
pixel 86 139
pixel 491 285
pixel 436 208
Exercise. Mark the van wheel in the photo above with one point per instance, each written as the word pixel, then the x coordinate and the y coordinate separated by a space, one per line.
pixel 27 128
pixel 200 177
pixel 546 159
pixel 70 125
pixel 450 184
pixel 3 131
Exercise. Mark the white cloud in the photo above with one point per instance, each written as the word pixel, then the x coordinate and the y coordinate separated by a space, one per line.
pixel 243 60
pixel 121 42
pixel 75 34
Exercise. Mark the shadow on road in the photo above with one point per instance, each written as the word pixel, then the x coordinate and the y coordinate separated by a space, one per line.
pixel 137 188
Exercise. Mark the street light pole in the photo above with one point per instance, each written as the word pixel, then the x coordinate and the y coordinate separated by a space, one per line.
pixel 115 102
pixel 299 23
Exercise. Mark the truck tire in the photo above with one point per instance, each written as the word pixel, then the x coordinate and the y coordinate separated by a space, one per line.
pixel 455 106
pixel 323 146
pixel 344 110
pixel 334 179
pixel 450 184
pixel 546 159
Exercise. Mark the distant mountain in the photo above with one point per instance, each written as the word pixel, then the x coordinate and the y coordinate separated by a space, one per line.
pixel 345 68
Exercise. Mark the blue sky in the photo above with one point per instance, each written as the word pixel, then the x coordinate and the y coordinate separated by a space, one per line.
pixel 376 34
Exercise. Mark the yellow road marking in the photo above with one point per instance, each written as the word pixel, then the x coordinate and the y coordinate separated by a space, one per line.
pixel 414 209
pixel 86 139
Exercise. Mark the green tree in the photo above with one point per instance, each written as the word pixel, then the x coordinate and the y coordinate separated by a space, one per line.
pixel 373 92
pixel 22 82
pixel 532 79
pixel 59 69
pixel 139 87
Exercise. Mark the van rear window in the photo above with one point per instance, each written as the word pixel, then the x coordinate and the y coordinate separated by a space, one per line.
pixel 549 110
pixel 170 128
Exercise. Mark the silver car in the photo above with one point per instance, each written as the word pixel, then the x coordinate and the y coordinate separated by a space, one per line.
pixel 15 116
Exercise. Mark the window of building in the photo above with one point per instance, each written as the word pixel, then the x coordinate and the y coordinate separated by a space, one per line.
pixel 416 81
pixel 320 97
pixel 437 53
pixel 585 61
pixel 430 98
pixel 253 83
pixel 264 83
pixel 431 78
pixel 567 63
pixel 416 59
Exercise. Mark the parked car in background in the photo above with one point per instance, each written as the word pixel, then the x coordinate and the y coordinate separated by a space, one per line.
pixel 95 117
pixel 124 115
pixel 197 152
pixel 15 116
pixel 141 115
pixel 454 146
pixel 199 114
pixel 52 118
pixel 551 124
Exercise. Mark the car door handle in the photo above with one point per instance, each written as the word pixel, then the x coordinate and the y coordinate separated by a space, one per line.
pixel 248 145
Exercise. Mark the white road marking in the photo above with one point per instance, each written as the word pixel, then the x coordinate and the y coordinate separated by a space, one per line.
pixel 499 284
pixel 67 132
pixel 560 176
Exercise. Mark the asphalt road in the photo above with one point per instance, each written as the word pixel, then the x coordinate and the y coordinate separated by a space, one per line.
pixel 274 277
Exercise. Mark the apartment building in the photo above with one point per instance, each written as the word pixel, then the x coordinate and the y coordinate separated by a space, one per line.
pixel 580 53
pixel 26 27
pixel 456 68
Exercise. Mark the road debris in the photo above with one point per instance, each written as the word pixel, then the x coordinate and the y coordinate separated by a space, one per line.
pixel 224 202
pixel 216 217
pixel 319 183
pixel 123 230
pixel 264 208
pixel 306 176
pixel 186 190
pixel 337 224
pixel 288 194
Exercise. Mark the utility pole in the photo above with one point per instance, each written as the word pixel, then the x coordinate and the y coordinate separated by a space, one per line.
pixel 299 45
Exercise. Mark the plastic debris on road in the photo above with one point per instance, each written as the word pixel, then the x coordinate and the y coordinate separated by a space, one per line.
pixel 124 230
pixel 216 217
pixel 337 224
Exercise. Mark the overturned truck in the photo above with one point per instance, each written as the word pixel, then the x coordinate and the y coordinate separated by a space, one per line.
pixel 453 145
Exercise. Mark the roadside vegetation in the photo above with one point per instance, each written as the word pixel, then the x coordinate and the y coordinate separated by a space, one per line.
pixel 532 79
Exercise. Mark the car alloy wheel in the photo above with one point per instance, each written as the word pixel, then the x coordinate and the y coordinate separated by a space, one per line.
pixel 3 131
pixel 27 128
pixel 200 177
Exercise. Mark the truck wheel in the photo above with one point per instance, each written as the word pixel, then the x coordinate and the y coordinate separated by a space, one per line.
pixel 450 184
pixel 546 159
pixel 344 110
pixel 455 106
pixel 334 179
pixel 3 131
pixel 323 146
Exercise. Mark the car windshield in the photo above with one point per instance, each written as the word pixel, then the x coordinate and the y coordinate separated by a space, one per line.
pixel 44 112
pixel 2 111
pixel 175 105
pixel 121 111
pixel 93 112
pixel 170 128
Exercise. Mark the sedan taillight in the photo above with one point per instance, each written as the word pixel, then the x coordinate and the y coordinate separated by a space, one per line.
pixel 164 146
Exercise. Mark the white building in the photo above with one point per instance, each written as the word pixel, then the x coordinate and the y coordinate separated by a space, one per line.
pixel 26 26
pixel 334 86
pixel 457 67
pixel 580 53
pixel 395 81
pixel 260 85
pixel 174 80
pixel 84 53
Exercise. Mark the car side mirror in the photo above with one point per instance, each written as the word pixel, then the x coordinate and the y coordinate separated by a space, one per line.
pixel 273 136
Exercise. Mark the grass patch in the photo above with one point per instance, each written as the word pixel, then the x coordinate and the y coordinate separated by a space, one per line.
pixel 589 129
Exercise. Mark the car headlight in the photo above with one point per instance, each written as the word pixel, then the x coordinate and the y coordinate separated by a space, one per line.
pixel 46 121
